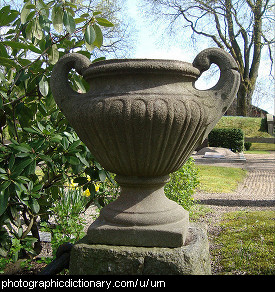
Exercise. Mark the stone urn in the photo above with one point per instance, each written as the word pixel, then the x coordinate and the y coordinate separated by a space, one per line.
pixel 142 119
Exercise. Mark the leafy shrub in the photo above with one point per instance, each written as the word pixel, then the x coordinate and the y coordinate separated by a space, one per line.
pixel 67 221
pixel 264 126
pixel 232 139
pixel 182 184
pixel 67 225
pixel 39 150
pixel 247 145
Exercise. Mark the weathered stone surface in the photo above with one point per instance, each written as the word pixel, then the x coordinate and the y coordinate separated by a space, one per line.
pixel 141 216
pixel 141 120
pixel 190 259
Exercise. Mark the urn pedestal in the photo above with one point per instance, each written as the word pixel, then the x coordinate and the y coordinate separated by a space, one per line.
pixel 99 259
pixel 141 216
pixel 142 119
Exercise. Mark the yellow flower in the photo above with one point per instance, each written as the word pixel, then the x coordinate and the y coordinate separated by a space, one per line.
pixel 86 193
pixel 73 185
pixel 97 185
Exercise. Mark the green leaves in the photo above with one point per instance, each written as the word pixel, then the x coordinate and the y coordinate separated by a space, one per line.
pixel 4 196
pixel 53 54
pixel 90 34
pixel 69 22
pixel 7 62
pixel 102 175
pixel 104 22
pixel 93 36
pixel 57 18
pixel 25 12
pixel 99 36
pixel 43 152
pixel 182 184
pixel 72 160
pixel 34 205
pixel 37 30
pixel 7 15
pixel 24 46
pixel 44 86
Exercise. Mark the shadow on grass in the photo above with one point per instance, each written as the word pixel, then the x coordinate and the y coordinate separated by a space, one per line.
pixel 228 202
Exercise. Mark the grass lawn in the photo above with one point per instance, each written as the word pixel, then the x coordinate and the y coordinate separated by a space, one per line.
pixel 217 179
pixel 246 243
pixel 250 126
pixel 261 148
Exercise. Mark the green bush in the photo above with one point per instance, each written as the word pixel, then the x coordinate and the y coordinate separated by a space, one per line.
pixel 182 185
pixel 39 150
pixel 232 139
pixel 264 127
pixel 247 145
pixel 68 224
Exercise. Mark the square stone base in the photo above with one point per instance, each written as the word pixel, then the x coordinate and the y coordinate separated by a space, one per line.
pixel 191 259
pixel 166 235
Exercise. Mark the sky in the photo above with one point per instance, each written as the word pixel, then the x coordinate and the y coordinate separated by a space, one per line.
pixel 147 39
pixel 148 47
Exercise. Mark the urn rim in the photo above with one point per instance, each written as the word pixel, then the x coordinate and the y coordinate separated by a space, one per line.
pixel 136 66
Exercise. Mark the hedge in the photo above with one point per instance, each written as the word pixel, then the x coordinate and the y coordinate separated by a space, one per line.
pixel 232 139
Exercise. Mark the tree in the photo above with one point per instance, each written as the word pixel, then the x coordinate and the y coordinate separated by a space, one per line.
pixel 118 39
pixel 242 27
pixel 39 150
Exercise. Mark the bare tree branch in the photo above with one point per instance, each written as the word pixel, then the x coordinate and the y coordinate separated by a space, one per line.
pixel 268 43
pixel 241 27
pixel 193 27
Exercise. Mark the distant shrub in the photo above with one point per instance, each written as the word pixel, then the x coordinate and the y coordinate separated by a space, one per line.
pixel 232 139
pixel 247 145
pixel 264 127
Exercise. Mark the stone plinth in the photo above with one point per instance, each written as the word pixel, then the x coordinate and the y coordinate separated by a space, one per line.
pixel 141 216
pixel 191 259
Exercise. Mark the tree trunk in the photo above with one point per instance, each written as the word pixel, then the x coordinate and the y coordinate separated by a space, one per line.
pixel 244 98
pixel 33 227
pixel 35 234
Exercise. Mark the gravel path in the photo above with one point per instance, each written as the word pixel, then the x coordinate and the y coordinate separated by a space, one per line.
pixel 257 189
pixel 256 192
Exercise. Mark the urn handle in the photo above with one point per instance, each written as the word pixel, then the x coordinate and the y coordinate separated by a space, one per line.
pixel 60 86
pixel 226 88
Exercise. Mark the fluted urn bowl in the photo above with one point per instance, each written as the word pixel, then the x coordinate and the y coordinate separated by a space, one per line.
pixel 141 119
